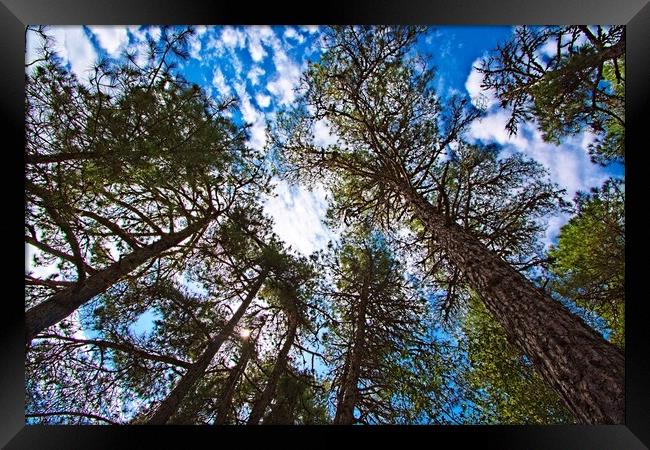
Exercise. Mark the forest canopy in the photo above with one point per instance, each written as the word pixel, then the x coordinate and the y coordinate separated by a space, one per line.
pixel 324 225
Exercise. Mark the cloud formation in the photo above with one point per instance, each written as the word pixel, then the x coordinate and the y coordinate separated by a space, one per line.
pixel 568 164
pixel 298 214
pixel 112 39
pixel 480 98
pixel 73 46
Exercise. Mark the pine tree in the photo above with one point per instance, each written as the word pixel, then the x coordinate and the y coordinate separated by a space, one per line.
pixel 121 171
pixel 508 389
pixel 566 78
pixel 377 328
pixel 588 262
pixel 391 135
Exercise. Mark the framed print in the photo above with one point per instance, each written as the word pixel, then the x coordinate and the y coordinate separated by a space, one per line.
pixel 370 222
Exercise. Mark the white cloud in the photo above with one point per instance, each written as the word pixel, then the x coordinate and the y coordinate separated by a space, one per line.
pixel 113 39
pixel 36 271
pixel 195 47
pixel 252 116
pixel 257 36
pixel 480 98
pixel 317 46
pixel 233 37
pixel 154 32
pixel 553 226
pixel 237 65
pixel 254 74
pixel 263 100
pixel 219 82
pixel 298 215
pixel 310 28
pixel 138 33
pixel 291 33
pixel 74 47
pixel 287 76
pixel 256 50
pixel 215 43
pixel 138 43
pixel 569 163
pixel 492 129
pixel 323 135
pixel 33 48
pixel 549 48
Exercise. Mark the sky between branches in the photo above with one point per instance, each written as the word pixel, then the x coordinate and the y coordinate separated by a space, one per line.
pixel 261 66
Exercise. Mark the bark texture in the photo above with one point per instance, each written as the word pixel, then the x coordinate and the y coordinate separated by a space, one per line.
pixel 228 391
pixel 585 369
pixel 66 301
pixel 264 400
pixel 348 398
pixel 170 405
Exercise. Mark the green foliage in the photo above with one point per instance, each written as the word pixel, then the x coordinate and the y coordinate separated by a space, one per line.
pixel 396 140
pixel 589 258
pixel 117 161
pixel 509 390
pixel 580 83
pixel 299 401
pixel 368 292
pixel 138 153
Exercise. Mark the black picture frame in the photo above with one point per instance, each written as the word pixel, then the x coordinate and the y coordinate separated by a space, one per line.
pixel 16 14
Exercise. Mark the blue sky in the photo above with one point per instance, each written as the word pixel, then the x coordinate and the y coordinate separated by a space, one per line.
pixel 261 66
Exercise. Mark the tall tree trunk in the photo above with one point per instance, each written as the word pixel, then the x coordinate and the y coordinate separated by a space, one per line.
pixel 228 391
pixel 283 412
pixel 585 370
pixel 348 399
pixel 65 302
pixel 266 396
pixel 170 405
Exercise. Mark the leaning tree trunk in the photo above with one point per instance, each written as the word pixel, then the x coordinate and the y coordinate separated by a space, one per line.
pixel 345 407
pixel 170 405
pixel 280 366
pixel 585 370
pixel 228 391
pixel 65 302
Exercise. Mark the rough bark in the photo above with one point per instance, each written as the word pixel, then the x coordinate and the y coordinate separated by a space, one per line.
pixel 585 370
pixel 225 398
pixel 66 301
pixel 345 407
pixel 170 405
pixel 263 401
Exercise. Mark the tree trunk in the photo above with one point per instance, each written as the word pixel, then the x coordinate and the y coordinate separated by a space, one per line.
pixel 345 408
pixel 280 366
pixel 65 302
pixel 283 412
pixel 585 370
pixel 227 393
pixel 170 405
